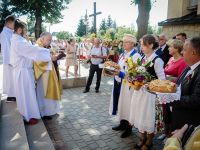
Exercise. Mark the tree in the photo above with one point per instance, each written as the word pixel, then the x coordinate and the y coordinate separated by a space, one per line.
pixel 81 30
pixel 124 30
pixel 154 30
pixel 103 25
pixel 92 30
pixel 43 10
pixel 31 25
pixel 4 12
pixel 63 35
pixel 144 7
pixel 109 22
pixel 114 25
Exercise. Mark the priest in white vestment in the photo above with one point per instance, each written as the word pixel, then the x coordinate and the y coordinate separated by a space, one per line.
pixel 22 56
pixel 6 35
pixel 48 85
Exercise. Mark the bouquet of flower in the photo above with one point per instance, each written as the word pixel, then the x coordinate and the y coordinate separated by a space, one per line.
pixel 137 74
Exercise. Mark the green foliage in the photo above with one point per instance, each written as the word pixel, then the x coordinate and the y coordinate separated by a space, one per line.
pixel 31 25
pixel 124 30
pixel 154 30
pixel 50 10
pixel 92 30
pixel 103 25
pixel 148 3
pixel 114 25
pixel 43 10
pixel 63 35
pixel 4 12
pixel 81 30
pixel 109 22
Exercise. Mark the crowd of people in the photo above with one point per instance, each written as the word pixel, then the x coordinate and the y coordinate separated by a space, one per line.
pixel 177 60
pixel 31 77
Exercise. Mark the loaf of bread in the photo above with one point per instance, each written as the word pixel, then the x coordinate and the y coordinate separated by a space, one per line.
pixel 111 64
pixel 110 67
pixel 162 86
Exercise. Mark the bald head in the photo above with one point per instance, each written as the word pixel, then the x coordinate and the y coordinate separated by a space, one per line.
pixel 46 38
pixel 162 39
pixel 97 42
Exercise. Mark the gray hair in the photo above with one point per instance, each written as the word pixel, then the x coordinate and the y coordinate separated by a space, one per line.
pixel 195 43
pixel 45 34
pixel 164 36
pixel 178 44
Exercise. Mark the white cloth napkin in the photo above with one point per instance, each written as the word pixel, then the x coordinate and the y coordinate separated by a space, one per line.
pixel 164 98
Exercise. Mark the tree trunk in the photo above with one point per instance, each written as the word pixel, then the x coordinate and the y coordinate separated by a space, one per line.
pixel 38 18
pixel 143 17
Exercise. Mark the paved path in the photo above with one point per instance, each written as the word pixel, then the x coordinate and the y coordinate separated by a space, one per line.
pixel 84 122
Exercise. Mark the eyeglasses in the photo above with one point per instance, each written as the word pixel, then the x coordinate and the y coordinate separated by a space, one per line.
pixel 127 42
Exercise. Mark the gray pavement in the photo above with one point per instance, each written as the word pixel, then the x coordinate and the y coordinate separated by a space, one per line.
pixel 84 122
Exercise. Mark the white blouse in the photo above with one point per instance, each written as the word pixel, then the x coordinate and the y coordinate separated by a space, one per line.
pixel 158 66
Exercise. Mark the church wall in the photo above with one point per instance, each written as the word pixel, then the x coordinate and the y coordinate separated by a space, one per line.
pixel 190 30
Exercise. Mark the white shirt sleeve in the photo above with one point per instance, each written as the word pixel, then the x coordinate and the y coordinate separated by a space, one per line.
pixel 33 52
pixel 136 57
pixel 159 68
pixel 104 51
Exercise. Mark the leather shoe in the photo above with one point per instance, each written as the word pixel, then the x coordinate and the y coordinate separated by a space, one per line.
pixel 11 99
pixel 47 117
pixel 121 126
pixel 85 91
pixel 97 91
pixel 127 132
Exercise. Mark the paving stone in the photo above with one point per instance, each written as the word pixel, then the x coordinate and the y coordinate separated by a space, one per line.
pixel 84 122
pixel 101 143
pixel 93 145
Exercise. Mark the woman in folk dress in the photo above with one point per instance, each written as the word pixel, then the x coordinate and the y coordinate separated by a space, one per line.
pixel 142 114
pixel 120 104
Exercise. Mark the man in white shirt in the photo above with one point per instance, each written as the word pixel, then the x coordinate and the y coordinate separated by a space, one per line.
pixel 6 35
pixel 97 54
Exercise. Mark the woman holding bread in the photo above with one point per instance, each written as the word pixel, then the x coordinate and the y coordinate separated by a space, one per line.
pixel 142 114
pixel 121 97
pixel 173 70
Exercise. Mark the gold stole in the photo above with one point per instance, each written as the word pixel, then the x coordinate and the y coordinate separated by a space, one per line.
pixel 51 84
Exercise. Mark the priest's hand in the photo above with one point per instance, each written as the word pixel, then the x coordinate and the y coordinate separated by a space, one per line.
pixel 54 57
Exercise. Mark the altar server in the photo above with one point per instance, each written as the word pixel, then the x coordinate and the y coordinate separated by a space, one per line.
pixel 6 35
pixel 23 54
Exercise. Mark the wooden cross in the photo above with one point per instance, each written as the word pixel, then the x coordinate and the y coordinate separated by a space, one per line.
pixel 95 19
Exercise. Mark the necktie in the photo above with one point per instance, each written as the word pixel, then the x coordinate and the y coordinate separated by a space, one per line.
pixel 180 79
pixel 159 51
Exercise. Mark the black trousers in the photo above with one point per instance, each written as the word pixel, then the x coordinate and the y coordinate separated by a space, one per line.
pixel 93 69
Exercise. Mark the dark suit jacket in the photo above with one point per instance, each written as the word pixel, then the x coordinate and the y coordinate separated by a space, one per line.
pixel 187 110
pixel 164 55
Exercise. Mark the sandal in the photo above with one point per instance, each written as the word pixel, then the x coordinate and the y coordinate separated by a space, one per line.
pixel 140 144
pixel 147 147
